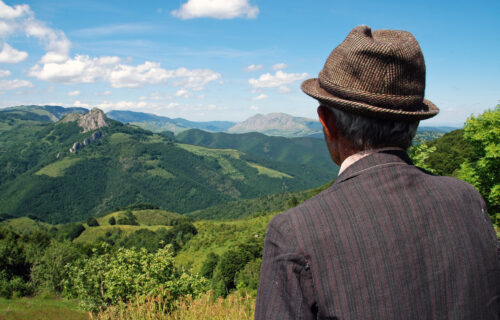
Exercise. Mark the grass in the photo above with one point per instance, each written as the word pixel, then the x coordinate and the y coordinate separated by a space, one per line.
pixel 235 307
pixel 56 169
pixel 119 137
pixel 269 172
pixel 40 309
pixel 25 225
pixel 162 173
pixel 91 234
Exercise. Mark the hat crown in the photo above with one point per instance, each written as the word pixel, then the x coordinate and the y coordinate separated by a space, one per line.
pixel 384 68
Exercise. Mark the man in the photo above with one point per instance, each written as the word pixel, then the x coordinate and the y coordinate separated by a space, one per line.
pixel 387 240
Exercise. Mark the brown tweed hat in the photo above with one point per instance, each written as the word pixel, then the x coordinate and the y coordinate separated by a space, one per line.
pixel 379 74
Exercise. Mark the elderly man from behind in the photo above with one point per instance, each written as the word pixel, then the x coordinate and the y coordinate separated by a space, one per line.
pixel 387 240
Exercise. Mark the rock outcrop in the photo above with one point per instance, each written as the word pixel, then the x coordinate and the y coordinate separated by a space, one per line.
pixel 92 120
pixel 80 145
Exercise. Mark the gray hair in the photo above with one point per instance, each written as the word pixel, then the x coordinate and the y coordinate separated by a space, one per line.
pixel 370 133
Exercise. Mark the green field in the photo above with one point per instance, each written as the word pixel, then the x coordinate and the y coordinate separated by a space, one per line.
pixel 40 309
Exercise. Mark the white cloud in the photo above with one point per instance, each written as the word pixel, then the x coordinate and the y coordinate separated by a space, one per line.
pixel 122 105
pixel 105 93
pixel 4 73
pixel 279 66
pixel 83 69
pixel 279 79
pixel 260 97
pixel 253 67
pixel 74 93
pixel 219 9
pixel 254 108
pixel 183 93
pixel 56 43
pixel 77 103
pixel 9 13
pixel 14 84
pixel 11 55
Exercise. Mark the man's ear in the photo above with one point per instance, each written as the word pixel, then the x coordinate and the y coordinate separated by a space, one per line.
pixel 328 122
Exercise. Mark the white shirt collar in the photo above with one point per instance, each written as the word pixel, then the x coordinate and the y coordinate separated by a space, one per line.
pixel 360 155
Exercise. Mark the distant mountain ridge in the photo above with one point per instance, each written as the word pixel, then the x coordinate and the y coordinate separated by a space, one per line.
pixel 157 123
pixel 278 124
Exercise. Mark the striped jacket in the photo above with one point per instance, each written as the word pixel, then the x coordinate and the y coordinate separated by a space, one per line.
pixel 386 241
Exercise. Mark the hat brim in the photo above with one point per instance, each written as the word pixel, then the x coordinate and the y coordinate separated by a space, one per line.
pixel 312 88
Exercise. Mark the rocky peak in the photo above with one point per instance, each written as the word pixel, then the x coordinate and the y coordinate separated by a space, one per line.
pixel 93 120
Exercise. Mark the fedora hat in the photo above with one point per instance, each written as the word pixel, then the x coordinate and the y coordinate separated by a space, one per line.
pixel 379 74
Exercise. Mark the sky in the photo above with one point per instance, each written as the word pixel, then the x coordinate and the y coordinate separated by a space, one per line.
pixel 206 60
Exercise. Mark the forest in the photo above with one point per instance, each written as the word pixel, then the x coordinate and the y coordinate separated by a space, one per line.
pixel 141 260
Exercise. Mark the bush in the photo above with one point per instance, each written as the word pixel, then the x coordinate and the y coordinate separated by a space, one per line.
pixel 127 218
pixel 120 276
pixel 112 221
pixel 92 222
pixel 70 231
pixel 49 271
pixel 208 267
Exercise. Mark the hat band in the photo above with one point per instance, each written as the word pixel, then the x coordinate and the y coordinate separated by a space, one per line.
pixel 389 101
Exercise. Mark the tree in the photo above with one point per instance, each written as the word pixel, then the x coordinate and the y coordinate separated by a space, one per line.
pixel 112 221
pixel 122 275
pixel 208 267
pixel 92 222
pixel 49 271
pixel 127 218
pixel 482 169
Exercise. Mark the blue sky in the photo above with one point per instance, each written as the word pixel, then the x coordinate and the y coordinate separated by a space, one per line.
pixel 230 59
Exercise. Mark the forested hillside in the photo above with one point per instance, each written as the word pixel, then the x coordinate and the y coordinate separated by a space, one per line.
pixel 58 172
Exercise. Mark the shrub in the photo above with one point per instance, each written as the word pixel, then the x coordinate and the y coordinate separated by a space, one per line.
pixel 112 221
pixel 92 222
pixel 123 275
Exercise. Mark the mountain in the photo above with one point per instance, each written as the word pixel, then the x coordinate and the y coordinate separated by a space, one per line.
pixel 69 170
pixel 273 124
pixel 9 117
pixel 156 123
pixel 302 151
pixel 278 124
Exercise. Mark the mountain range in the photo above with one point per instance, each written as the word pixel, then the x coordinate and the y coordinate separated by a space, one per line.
pixel 62 167
pixel 273 124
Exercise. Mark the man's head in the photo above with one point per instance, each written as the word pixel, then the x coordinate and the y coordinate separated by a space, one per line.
pixel 371 89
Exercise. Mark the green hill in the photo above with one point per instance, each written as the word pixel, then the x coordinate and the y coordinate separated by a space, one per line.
pixel 302 151
pixel 40 175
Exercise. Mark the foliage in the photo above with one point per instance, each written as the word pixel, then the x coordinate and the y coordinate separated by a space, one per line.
pixel 208 267
pixel 118 276
pixel 258 206
pixel 70 231
pixel 112 221
pixel 420 154
pixel 482 169
pixel 127 218
pixel 49 272
pixel 92 222
pixel 230 264
pixel 248 277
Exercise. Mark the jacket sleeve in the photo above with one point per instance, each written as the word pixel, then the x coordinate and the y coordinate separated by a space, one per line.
pixel 285 289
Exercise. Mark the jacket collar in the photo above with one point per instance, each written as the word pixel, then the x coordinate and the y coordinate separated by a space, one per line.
pixel 380 158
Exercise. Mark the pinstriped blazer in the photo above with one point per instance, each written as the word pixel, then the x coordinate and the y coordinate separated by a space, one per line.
pixel 386 241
